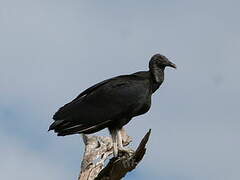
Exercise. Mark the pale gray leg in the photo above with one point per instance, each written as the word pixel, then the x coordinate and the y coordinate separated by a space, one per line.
pixel 119 139
pixel 120 143
pixel 114 139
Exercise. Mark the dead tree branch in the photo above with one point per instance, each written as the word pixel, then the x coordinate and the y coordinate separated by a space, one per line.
pixel 97 151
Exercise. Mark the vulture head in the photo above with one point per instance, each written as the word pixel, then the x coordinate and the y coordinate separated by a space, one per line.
pixel 157 65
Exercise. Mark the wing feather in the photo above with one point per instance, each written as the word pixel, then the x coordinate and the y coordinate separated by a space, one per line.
pixel 98 105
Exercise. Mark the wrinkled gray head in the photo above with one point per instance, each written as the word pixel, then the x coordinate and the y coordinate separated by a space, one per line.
pixel 157 65
pixel 160 61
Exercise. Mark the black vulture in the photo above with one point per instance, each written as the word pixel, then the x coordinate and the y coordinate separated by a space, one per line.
pixel 111 103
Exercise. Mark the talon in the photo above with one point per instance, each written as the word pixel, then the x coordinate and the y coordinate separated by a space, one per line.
pixel 127 151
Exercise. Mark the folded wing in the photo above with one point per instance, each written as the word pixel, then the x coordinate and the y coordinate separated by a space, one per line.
pixel 98 106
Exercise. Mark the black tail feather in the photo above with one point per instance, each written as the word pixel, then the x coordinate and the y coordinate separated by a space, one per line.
pixel 63 128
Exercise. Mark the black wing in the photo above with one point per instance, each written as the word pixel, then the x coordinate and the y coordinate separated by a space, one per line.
pixel 98 106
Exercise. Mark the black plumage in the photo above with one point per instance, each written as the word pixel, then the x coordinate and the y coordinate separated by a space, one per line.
pixel 111 103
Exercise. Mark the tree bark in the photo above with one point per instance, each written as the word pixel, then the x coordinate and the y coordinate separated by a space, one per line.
pixel 98 149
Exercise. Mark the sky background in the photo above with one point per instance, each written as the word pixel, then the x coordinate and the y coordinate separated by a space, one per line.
pixel 51 50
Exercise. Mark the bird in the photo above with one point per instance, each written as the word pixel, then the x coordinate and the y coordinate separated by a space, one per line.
pixel 112 103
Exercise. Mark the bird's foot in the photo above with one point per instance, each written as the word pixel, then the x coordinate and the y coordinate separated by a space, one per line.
pixel 125 151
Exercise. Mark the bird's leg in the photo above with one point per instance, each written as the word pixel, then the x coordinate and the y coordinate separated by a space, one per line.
pixel 119 139
pixel 113 133
pixel 120 144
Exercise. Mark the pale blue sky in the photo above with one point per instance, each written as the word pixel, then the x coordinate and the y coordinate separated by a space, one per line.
pixel 51 50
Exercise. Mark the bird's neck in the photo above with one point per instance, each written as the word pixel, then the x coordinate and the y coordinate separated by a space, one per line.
pixel 157 76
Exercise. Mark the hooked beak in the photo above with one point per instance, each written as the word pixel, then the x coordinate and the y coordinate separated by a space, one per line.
pixel 172 65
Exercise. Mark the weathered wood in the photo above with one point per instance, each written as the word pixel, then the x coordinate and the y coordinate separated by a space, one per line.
pixel 97 151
